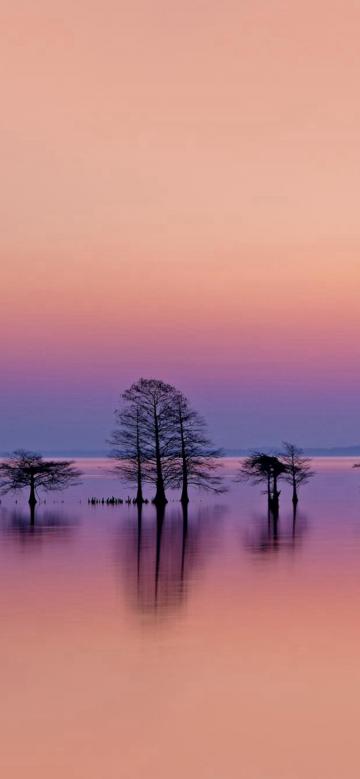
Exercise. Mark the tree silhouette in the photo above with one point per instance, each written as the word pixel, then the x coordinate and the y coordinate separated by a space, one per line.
pixel 256 468
pixel 278 470
pixel 25 469
pixel 129 445
pixel 160 439
pixel 298 468
pixel 261 468
pixel 144 439
pixel 196 460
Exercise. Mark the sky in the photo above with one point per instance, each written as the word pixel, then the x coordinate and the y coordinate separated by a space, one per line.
pixel 180 199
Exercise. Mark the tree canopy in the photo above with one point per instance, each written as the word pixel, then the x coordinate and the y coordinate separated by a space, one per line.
pixel 24 469
pixel 160 439
pixel 260 467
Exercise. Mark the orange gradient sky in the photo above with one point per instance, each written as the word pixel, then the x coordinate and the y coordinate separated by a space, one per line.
pixel 180 198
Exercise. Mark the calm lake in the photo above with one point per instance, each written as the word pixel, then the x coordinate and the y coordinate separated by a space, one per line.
pixel 218 648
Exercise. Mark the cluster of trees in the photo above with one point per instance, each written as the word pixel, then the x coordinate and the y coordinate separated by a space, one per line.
pixel 158 439
pixel 290 466
pixel 161 440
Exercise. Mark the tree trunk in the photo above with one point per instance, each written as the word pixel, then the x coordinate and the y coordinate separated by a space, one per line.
pixel 294 521
pixel 269 490
pixel 275 497
pixel 160 497
pixel 185 492
pixel 32 515
pixel 295 495
pixel 139 495
pixel 32 498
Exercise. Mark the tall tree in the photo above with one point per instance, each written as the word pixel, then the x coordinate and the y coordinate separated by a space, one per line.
pixel 25 469
pixel 298 468
pixel 144 439
pixel 129 446
pixel 196 459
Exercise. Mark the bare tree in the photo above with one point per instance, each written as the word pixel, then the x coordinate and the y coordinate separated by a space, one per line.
pixel 277 472
pixel 298 468
pixel 129 445
pixel 25 469
pixel 144 440
pixel 262 468
pixel 256 468
pixel 196 459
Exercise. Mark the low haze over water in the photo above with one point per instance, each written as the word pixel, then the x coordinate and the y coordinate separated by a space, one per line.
pixel 221 647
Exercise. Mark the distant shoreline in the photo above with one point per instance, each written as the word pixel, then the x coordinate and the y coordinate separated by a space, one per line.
pixel 350 451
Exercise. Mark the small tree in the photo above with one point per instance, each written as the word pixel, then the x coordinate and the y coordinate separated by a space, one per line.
pixel 196 459
pixel 278 470
pixel 256 469
pixel 29 470
pixel 262 468
pixel 298 468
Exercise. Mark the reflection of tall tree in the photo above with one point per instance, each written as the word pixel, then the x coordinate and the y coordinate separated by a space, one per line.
pixel 160 516
pixel 139 536
pixel 158 553
pixel 185 525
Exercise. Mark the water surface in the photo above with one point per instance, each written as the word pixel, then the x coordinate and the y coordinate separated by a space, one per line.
pixel 216 645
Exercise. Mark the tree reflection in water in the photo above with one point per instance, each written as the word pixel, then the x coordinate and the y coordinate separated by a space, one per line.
pixel 32 527
pixel 160 551
pixel 272 533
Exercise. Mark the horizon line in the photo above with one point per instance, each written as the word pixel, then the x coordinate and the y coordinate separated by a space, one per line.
pixel 315 451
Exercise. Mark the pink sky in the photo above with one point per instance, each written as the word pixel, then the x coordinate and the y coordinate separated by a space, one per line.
pixel 181 199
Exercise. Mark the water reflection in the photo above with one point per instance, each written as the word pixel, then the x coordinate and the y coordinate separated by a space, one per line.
pixel 161 550
pixel 271 534
pixel 29 527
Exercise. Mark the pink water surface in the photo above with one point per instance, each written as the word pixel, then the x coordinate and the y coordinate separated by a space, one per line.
pixel 219 649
